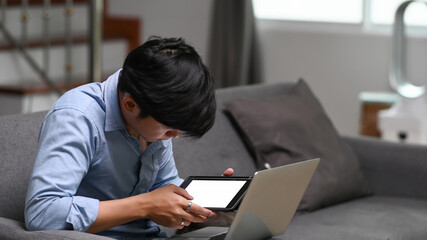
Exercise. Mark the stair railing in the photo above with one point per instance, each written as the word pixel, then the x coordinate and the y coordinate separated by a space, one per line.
pixel 21 45
pixel 95 36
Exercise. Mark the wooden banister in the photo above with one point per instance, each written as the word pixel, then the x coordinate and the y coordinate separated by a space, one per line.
pixel 127 28
pixel 40 2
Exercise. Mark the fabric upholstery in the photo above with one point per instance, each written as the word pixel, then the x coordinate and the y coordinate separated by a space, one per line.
pixel 369 218
pixel 393 169
pixel 18 138
pixel 11 229
pixel 293 128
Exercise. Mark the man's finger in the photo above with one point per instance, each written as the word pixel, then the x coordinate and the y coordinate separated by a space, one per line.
pixel 197 210
pixel 183 223
pixel 182 192
pixel 229 172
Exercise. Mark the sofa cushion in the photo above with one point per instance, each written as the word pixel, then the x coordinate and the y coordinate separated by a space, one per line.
pixel 12 229
pixel 370 218
pixel 292 128
pixel 18 138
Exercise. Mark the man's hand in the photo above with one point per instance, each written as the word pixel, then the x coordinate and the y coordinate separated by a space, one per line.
pixel 169 206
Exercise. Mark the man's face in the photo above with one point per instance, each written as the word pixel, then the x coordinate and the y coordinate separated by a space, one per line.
pixel 151 130
pixel 147 128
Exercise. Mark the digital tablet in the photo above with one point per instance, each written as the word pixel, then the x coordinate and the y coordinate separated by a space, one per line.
pixel 217 193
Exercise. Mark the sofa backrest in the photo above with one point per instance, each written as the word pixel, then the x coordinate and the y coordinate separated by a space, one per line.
pixel 219 149
pixel 222 147
pixel 18 146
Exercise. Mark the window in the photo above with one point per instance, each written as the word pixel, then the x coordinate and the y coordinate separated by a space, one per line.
pixel 343 11
pixel 382 12
pixel 372 13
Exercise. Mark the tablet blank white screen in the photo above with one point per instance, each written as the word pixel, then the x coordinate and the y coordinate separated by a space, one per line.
pixel 214 194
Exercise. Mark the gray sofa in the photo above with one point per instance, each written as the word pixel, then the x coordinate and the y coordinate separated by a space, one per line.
pixel 397 173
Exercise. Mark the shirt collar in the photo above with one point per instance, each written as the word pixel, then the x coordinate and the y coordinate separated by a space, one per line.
pixel 113 115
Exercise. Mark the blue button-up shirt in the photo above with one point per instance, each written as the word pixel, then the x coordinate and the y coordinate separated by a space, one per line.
pixel 85 155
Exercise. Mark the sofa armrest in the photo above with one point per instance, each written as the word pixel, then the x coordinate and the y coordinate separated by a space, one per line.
pixel 12 229
pixel 393 169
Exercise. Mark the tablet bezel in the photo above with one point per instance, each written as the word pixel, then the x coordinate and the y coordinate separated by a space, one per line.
pixel 234 203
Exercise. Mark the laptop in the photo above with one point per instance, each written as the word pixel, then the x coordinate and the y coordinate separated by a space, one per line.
pixel 268 205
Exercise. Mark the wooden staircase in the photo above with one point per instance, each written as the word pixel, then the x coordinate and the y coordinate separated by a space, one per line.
pixel 114 28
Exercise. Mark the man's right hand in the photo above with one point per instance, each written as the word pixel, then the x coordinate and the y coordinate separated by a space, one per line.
pixel 168 205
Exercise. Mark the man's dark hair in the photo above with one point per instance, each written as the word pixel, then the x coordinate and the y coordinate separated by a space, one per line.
pixel 169 82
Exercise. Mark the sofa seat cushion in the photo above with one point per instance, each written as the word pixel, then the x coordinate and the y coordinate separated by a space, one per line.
pixel 12 229
pixel 372 218
pixel 292 128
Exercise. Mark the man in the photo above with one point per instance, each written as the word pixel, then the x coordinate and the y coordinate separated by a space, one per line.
pixel 105 164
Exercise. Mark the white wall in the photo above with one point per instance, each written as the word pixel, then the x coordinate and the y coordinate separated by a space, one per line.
pixel 189 19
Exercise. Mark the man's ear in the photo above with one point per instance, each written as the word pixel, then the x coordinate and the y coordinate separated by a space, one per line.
pixel 129 105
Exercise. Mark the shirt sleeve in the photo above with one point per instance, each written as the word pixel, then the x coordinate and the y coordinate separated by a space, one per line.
pixel 168 174
pixel 67 143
